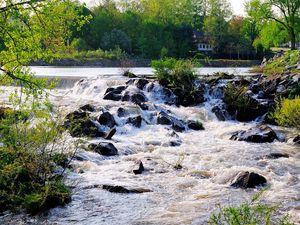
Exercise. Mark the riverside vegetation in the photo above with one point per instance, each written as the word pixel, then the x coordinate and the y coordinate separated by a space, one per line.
pixel 33 158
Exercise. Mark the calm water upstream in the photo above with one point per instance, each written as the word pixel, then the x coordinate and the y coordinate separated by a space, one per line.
pixel 187 196
pixel 81 72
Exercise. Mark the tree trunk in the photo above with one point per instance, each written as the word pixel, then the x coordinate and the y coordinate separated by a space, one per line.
pixel 293 40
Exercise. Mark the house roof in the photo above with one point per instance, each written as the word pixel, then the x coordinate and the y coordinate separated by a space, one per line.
pixel 198 34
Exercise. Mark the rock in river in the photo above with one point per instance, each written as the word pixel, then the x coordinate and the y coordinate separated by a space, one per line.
pixel 135 121
pixel 259 134
pixel 107 119
pixel 165 119
pixel 139 168
pixel 248 180
pixel 104 148
pixel 80 124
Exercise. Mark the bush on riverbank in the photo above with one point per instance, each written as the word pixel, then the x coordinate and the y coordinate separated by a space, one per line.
pixel 180 77
pixel 31 163
pixel 287 113
pixel 115 54
pixel 249 213
pixel 281 64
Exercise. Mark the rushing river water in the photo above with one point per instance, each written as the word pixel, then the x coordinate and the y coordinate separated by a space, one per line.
pixel 187 196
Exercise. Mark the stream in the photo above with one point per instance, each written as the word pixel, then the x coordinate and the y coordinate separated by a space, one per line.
pixel 209 161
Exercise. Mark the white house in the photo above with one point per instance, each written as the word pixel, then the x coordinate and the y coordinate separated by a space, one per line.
pixel 202 42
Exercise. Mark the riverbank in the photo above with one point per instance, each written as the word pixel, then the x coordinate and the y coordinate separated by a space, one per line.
pixel 128 63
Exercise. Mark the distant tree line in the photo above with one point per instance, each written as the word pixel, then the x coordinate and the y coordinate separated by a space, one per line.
pixel 159 28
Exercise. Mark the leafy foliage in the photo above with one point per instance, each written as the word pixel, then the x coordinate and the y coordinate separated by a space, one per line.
pixel 249 213
pixel 278 66
pixel 287 113
pixel 235 97
pixel 180 77
pixel 30 159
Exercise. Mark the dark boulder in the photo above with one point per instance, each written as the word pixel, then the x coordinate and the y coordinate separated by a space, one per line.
pixel 110 133
pixel 123 190
pixel 296 140
pixel 143 106
pixel 139 168
pixel 82 128
pixel 165 119
pixel 140 83
pixel 195 125
pixel 122 112
pixel 80 124
pixel 107 119
pixel 277 155
pixel 175 143
pixel 104 148
pixel 114 94
pixel 136 97
pixel 248 180
pixel 135 121
pixel 259 134
pixel 88 108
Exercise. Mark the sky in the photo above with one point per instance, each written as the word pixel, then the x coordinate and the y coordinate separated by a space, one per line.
pixel 237 5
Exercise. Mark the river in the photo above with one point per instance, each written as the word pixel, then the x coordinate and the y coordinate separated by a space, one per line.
pixel 186 196
pixel 82 72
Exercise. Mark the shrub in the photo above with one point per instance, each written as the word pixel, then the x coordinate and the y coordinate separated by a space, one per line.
pixel 287 113
pixel 249 213
pixel 235 97
pixel 33 157
pixel 279 65
pixel 180 77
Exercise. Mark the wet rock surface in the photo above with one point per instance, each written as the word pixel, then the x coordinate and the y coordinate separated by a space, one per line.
pixel 107 119
pixel 139 167
pixel 80 124
pixel 259 134
pixel 123 190
pixel 104 148
pixel 135 121
pixel 247 179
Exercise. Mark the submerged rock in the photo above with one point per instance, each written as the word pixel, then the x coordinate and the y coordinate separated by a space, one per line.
pixel 140 83
pixel 135 121
pixel 277 155
pixel 259 134
pixel 220 112
pixel 248 180
pixel 195 125
pixel 107 119
pixel 139 168
pixel 104 148
pixel 121 189
pixel 88 108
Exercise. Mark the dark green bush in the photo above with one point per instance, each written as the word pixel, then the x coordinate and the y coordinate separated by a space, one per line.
pixel 180 77
pixel 28 158
pixel 235 97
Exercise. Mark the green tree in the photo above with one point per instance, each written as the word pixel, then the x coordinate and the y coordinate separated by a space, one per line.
pixel 114 39
pixel 283 12
pixel 32 30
